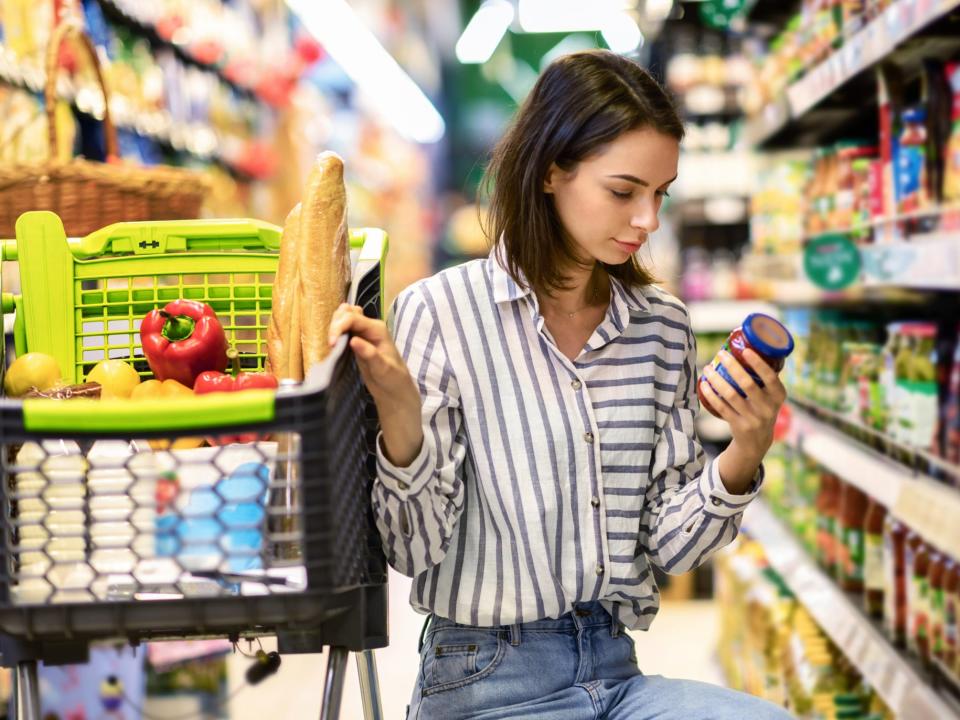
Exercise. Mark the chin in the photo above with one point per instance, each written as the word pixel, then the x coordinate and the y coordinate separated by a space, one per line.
pixel 615 258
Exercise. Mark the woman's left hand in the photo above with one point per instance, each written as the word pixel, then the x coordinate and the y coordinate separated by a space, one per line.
pixel 751 418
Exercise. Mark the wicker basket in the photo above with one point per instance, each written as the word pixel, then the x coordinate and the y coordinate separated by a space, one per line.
pixel 90 195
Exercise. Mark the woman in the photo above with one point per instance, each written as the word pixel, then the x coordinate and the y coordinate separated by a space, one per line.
pixel 537 452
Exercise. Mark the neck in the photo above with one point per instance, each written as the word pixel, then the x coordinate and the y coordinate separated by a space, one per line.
pixel 588 287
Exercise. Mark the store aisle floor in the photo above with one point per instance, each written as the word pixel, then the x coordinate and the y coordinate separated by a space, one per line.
pixel 681 644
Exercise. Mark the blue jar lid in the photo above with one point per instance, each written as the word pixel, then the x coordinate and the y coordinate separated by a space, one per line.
pixel 915 115
pixel 751 330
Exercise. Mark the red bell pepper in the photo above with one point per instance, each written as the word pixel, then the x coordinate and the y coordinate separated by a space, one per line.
pixel 213 382
pixel 183 340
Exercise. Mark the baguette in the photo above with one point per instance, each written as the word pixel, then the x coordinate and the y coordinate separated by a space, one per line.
pixel 281 346
pixel 294 344
pixel 324 255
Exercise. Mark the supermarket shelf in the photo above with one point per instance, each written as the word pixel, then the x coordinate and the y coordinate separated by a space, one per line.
pixel 768 122
pixel 895 272
pixel 772 12
pixel 115 14
pixel 924 261
pixel 900 22
pixel 878 39
pixel 714 316
pixel 894 677
pixel 926 505
pixel 944 217
pixel 929 262
pixel 195 138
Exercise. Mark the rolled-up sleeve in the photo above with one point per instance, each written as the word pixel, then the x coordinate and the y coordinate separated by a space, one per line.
pixel 417 506
pixel 688 514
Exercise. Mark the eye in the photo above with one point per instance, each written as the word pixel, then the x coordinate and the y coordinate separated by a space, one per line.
pixel 663 193
pixel 621 195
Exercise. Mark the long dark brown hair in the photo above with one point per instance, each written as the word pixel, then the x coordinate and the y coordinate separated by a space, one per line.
pixel 581 102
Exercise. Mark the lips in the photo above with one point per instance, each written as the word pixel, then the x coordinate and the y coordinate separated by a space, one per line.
pixel 629 247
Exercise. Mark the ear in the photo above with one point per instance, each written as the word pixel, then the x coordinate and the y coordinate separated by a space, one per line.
pixel 554 173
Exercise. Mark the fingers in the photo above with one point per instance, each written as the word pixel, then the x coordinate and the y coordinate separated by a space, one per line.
pixel 362 349
pixel 757 364
pixel 771 380
pixel 722 388
pixel 717 401
pixel 350 318
pixel 740 376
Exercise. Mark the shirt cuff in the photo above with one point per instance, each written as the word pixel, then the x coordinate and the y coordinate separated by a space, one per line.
pixel 720 502
pixel 403 481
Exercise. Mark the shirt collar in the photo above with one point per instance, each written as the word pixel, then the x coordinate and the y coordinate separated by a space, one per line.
pixel 506 289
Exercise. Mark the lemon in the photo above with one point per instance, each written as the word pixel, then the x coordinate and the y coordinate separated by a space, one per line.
pixel 117 378
pixel 33 370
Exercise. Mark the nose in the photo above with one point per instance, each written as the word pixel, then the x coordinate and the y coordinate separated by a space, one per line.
pixel 645 217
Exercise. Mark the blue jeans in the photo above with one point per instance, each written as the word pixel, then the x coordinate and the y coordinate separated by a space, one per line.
pixel 581 666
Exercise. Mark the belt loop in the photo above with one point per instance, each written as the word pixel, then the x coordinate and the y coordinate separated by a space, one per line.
pixel 515 635
pixel 423 632
pixel 615 625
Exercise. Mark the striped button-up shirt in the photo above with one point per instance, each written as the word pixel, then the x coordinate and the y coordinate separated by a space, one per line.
pixel 542 481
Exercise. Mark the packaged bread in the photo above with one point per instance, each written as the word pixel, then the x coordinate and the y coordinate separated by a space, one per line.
pixel 324 255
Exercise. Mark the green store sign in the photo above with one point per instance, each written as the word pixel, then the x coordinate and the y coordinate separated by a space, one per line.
pixel 832 262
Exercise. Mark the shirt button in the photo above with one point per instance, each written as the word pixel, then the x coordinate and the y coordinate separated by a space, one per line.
pixel 595 501
pixel 599 569
pixel 402 485
pixel 576 384
pixel 588 436
pixel 715 501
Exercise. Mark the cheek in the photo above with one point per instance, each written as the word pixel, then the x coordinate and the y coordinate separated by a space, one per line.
pixel 586 216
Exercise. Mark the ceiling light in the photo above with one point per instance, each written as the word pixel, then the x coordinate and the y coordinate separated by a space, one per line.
pixel 657 10
pixel 622 34
pixel 620 30
pixel 559 16
pixel 484 31
pixel 389 89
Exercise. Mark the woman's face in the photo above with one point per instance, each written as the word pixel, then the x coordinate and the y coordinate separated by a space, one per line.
pixel 608 203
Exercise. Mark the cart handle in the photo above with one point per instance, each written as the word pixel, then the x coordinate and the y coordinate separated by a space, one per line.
pixel 141 238
pixel 208 413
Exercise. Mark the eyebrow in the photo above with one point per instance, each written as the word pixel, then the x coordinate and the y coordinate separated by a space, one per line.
pixel 638 181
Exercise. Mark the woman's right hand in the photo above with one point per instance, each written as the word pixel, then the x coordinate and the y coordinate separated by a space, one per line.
pixel 387 378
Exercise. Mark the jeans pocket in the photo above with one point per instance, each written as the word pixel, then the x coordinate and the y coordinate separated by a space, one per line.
pixel 458 658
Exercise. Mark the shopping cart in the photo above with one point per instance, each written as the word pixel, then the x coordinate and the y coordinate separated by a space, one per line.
pixel 119 524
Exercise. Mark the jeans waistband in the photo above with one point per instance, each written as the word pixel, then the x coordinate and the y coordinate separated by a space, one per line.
pixel 583 615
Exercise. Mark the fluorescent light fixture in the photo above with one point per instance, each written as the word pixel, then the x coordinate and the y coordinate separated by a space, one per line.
pixel 484 31
pixel 657 10
pixel 549 16
pixel 562 16
pixel 389 89
pixel 622 34
pixel 620 30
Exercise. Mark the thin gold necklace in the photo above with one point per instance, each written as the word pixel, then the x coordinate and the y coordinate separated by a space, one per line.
pixel 592 301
